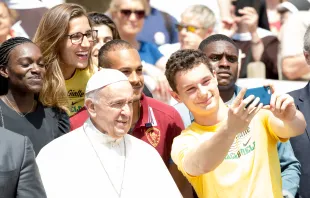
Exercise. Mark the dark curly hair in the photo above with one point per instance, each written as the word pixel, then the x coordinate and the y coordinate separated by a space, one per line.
pixel 184 60
pixel 97 19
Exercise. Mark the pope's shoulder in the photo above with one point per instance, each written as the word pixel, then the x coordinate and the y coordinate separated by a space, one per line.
pixel 139 144
pixel 65 142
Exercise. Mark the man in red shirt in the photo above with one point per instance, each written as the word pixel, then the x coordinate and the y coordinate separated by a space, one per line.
pixel 153 121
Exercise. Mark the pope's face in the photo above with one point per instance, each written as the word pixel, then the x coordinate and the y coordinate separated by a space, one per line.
pixel 113 109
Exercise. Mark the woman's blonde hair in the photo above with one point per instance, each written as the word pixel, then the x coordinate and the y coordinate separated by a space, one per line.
pixel 52 29
pixel 115 4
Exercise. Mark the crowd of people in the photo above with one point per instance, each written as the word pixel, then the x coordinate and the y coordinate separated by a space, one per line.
pixel 136 102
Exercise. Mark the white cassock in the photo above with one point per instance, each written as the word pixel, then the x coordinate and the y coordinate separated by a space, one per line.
pixel 86 163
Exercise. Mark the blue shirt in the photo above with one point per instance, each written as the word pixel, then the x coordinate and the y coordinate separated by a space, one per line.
pixel 149 52
pixel 155 22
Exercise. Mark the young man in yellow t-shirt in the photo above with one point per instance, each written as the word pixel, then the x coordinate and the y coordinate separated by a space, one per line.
pixel 228 151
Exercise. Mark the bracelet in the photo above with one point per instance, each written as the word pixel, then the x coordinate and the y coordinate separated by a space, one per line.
pixel 256 42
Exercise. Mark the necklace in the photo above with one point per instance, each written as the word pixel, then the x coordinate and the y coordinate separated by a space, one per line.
pixel 119 193
pixel 19 113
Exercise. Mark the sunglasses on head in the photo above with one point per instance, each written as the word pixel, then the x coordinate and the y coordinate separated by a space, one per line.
pixel 127 13
pixel 189 28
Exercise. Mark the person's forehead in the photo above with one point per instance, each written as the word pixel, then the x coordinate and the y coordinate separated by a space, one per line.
pixel 184 78
pixel 190 19
pixel 220 47
pixel 25 49
pixel 79 24
pixel 124 57
pixel 128 4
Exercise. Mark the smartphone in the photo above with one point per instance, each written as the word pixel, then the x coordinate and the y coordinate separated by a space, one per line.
pixel 239 4
pixel 264 93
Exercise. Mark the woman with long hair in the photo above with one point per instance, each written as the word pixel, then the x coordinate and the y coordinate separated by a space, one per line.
pixel 22 74
pixel 65 37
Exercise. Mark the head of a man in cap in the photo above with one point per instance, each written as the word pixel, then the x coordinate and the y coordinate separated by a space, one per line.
pixel 197 23
pixel 120 55
pixel 109 98
pixel 289 7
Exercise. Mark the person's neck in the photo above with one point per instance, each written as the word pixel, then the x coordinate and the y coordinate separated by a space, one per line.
pixel 21 101
pixel 132 40
pixel 136 112
pixel 214 117
pixel 272 4
pixel 67 71
pixel 226 95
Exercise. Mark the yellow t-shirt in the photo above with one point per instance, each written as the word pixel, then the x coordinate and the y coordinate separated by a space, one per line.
pixel 76 89
pixel 251 168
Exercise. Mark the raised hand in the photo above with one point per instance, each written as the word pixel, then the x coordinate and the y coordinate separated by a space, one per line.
pixel 250 18
pixel 242 111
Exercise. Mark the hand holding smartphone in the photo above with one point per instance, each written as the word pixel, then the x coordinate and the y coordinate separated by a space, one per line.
pixel 264 93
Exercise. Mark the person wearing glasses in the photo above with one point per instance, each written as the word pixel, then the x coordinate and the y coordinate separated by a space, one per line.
pixel 24 104
pixel 65 37
pixel 129 16
pixel 107 31
pixel 197 23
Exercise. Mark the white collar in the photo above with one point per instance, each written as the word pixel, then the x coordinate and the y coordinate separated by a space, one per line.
pixel 97 136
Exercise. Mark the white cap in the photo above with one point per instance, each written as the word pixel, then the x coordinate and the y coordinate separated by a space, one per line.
pixel 103 78
pixel 294 6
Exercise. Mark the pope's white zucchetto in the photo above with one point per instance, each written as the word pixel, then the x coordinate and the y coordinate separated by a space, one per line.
pixel 103 78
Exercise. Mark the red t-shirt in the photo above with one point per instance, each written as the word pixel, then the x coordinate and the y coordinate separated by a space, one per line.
pixel 158 125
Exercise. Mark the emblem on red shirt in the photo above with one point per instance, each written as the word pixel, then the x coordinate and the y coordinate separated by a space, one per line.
pixel 153 136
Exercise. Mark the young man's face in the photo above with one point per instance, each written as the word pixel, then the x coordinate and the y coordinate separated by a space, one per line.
pixel 197 89
pixel 223 57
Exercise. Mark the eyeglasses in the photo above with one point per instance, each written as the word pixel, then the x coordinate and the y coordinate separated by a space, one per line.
pixel 127 13
pixel 189 28
pixel 77 38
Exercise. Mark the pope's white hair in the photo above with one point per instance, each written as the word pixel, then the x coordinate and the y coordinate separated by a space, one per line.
pixel 93 95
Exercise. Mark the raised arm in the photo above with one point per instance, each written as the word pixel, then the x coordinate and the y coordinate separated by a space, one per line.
pixel 206 156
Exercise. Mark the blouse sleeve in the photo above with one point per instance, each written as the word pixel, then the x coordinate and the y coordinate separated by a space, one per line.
pixel 62 120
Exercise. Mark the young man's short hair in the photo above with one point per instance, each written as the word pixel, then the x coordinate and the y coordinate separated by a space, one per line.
pixel 114 45
pixel 184 60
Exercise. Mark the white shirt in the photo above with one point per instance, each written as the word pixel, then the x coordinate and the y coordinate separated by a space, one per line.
pixel 70 167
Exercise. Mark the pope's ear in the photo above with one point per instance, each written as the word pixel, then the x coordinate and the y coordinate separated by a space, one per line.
pixel 90 106
pixel 4 71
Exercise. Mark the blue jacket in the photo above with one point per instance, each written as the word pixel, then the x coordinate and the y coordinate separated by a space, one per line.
pixel 290 166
